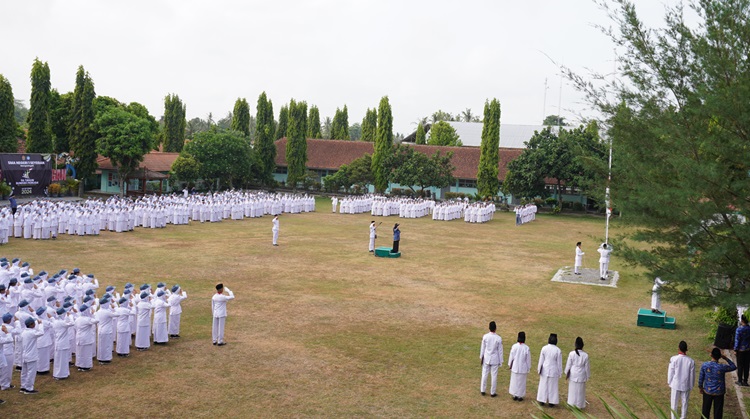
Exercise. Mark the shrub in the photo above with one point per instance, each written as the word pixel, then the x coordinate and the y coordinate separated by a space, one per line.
pixel 555 210
pixel 551 201
pixel 717 316
pixel 577 206
pixel 53 188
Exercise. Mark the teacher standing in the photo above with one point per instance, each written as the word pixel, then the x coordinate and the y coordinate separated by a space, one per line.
pixel 396 238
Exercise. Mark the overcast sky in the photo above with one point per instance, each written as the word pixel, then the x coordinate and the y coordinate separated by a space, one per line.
pixel 424 55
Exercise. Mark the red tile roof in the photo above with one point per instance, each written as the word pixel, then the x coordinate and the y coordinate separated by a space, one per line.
pixel 154 161
pixel 331 154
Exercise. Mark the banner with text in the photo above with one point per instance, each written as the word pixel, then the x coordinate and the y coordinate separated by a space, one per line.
pixel 27 174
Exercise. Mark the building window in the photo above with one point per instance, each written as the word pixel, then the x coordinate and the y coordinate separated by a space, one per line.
pixel 282 170
pixel 467 183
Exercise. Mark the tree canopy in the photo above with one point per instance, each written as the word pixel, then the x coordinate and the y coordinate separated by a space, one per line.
pixel 296 143
pixel 222 156
pixel 174 123
pixel 313 123
pixel 487 181
pixel 442 133
pixel 8 125
pixel 265 148
pixel 241 117
pixel 383 145
pixel 39 139
pixel 340 124
pixel 412 168
pixel 678 119
pixel 124 137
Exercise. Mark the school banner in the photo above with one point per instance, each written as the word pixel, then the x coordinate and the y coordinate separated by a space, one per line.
pixel 27 174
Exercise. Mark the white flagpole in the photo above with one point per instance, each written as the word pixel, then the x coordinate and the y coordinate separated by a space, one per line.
pixel 606 195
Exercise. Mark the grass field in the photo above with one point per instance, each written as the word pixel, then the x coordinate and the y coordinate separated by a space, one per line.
pixel 322 328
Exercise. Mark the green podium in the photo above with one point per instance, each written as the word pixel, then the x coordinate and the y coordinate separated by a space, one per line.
pixel 647 318
pixel 385 252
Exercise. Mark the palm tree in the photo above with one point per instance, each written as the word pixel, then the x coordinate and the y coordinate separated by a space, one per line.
pixel 467 115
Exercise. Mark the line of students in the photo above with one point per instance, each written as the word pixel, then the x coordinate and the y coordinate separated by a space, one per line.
pixel 577 369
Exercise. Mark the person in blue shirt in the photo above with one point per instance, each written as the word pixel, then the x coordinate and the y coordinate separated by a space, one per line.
pixel 742 350
pixel 396 238
pixel 712 384
pixel 13 204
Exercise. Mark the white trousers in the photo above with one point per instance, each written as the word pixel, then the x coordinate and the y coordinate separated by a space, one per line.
pixel 603 267
pixel 517 384
pixel 6 373
pixel 548 391
pixel 217 331
pixel 275 236
pixel 679 403
pixel 174 324
pixel 28 375
pixel 492 370
pixel 372 244
pixel 61 369
pixel 577 394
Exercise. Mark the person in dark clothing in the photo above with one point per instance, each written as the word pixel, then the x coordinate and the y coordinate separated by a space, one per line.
pixel 742 350
pixel 13 205
pixel 712 384
pixel 396 238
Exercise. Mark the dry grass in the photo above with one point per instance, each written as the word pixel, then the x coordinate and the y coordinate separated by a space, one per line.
pixel 321 328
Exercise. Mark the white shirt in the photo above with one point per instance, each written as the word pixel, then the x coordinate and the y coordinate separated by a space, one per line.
pixel 681 373
pixel 604 254
pixel 519 359
pixel 492 349
pixel 578 366
pixel 550 361
pixel 219 303
pixel 28 338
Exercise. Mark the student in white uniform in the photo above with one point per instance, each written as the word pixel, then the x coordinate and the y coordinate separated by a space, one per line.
pixel 219 311
pixel 577 372
pixel 491 358
pixel 62 326
pixel 160 318
pixel 175 310
pixel 373 236
pixel 656 295
pixel 519 364
pixel 681 378
pixel 275 230
pixel 143 329
pixel 579 259
pixel 604 252
pixel 30 354
pixel 85 338
pixel 550 370
pixel 125 309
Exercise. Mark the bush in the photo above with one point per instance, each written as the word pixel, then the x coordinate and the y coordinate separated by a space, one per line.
pixel 577 206
pixel 538 202
pixel 53 188
pixel 551 201
pixel 454 195
pixel 717 316
pixel 5 189
pixel 555 210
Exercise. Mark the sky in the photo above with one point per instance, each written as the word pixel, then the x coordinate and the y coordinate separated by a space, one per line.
pixel 423 55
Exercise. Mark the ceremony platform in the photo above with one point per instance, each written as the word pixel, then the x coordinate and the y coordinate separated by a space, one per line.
pixel 385 252
pixel 647 318
pixel 588 276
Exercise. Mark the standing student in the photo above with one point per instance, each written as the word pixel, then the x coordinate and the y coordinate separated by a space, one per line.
pixel 550 370
pixel 219 311
pixel 491 358
pixel 656 295
pixel 712 383
pixel 13 205
pixel 30 354
pixel 373 236
pixel 742 350
pixel 396 238
pixel 62 326
pixel 579 259
pixel 680 377
pixel 85 337
pixel 604 252
pixel 143 329
pixel 519 364
pixel 577 372
pixel 175 310
pixel 275 229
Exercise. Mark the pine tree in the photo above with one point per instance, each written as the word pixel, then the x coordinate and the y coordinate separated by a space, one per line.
pixel 421 135
pixel 487 182
pixel 313 123
pixel 283 122
pixel 39 139
pixel 82 134
pixel 264 138
pixel 370 125
pixel 383 145
pixel 296 144
pixel 174 123
pixel 8 124
pixel 241 117
pixel 340 127
pixel 60 114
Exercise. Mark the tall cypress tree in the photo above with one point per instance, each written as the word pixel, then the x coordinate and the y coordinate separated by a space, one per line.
pixel 175 123
pixel 241 117
pixel 283 122
pixel 370 125
pixel 39 139
pixel 421 135
pixel 487 182
pixel 296 144
pixel 60 115
pixel 8 124
pixel 82 133
pixel 313 123
pixel 264 138
pixel 383 145
pixel 340 126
